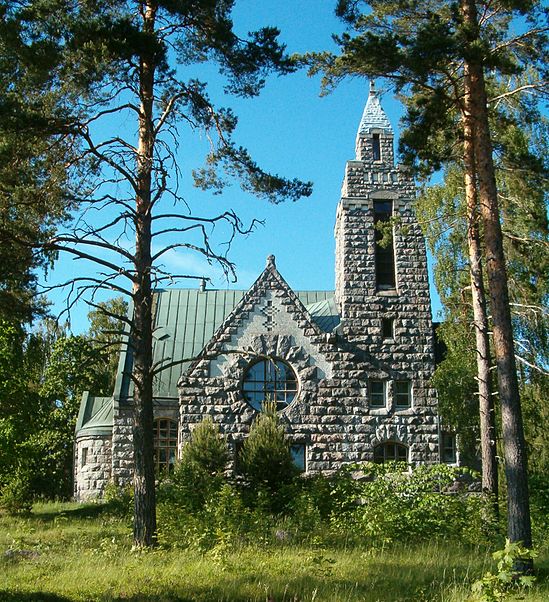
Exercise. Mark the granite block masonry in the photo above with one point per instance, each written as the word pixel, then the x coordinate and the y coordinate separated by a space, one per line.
pixel 350 370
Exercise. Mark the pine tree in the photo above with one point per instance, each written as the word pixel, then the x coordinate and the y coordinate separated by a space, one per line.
pixel 112 62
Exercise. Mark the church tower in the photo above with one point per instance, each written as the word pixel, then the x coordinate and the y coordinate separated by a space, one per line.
pixel 382 290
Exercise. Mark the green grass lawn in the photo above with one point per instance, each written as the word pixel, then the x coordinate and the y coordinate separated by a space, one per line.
pixel 70 552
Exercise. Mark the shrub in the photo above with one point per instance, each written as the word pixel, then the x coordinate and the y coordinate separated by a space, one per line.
pixel 119 498
pixel 387 503
pixel 200 472
pixel 507 581
pixel 266 462
pixel 16 496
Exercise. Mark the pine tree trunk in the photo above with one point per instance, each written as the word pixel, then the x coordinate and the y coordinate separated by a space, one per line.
pixel 518 511
pixel 480 316
pixel 144 492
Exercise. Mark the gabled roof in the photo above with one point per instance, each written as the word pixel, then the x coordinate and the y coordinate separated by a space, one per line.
pixel 374 117
pixel 186 319
pixel 268 281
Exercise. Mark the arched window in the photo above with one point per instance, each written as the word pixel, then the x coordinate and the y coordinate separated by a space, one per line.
pixel 165 444
pixel 269 380
pixel 390 451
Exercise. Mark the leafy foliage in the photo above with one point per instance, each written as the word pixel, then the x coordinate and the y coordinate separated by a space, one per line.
pixel 508 580
pixel 43 376
pixel 105 335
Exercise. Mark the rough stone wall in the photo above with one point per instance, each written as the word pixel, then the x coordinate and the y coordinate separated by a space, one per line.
pixel 269 321
pixel 330 414
pixel 122 445
pixel 409 354
pixel 93 459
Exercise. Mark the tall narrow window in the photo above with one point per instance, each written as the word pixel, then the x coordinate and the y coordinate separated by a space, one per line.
pixel 385 255
pixel 448 448
pixel 165 444
pixel 298 452
pixel 387 328
pixel 376 147
pixel 377 394
pixel 403 394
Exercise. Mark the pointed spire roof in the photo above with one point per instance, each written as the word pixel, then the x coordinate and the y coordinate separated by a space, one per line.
pixel 374 116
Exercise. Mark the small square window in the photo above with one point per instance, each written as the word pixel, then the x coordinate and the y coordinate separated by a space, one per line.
pixel 403 394
pixel 377 393
pixel 84 457
pixel 387 328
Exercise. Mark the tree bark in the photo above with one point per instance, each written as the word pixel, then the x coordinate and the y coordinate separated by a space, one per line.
pixel 144 531
pixel 518 511
pixel 480 317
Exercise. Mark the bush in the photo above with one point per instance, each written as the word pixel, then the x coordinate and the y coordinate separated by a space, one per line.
pixel 222 522
pixel 508 581
pixel 392 504
pixel 266 462
pixel 200 472
pixel 16 495
pixel 119 498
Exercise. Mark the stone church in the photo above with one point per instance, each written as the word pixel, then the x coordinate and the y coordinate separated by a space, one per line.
pixel 349 369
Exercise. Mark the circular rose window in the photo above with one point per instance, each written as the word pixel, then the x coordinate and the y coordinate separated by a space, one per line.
pixel 269 380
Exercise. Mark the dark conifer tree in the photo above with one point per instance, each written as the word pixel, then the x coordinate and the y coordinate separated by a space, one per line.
pixel 138 62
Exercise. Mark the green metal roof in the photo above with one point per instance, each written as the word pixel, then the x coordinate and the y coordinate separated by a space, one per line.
pixel 95 416
pixel 186 319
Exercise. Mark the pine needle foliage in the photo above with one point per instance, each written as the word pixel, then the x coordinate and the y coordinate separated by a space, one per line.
pixel 199 474
pixel 206 450
pixel 266 460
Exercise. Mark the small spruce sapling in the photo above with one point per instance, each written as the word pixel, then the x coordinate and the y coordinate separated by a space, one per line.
pixel 199 473
pixel 266 461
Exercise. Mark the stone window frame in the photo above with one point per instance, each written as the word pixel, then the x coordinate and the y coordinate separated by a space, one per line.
pixel 305 447
pixel 396 447
pixel 83 456
pixel 377 154
pixel 389 321
pixel 258 360
pixel 160 466
pixel 387 196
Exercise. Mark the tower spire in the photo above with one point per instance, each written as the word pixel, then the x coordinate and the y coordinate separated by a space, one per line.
pixel 374 116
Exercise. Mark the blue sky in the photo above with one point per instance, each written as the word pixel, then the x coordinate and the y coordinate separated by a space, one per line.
pixel 289 130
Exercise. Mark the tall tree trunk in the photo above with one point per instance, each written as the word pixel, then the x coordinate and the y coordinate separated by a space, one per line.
pixel 518 510
pixel 144 493
pixel 480 316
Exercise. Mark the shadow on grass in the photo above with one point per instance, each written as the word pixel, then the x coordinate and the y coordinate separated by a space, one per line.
pixel 82 511
pixel 31 597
